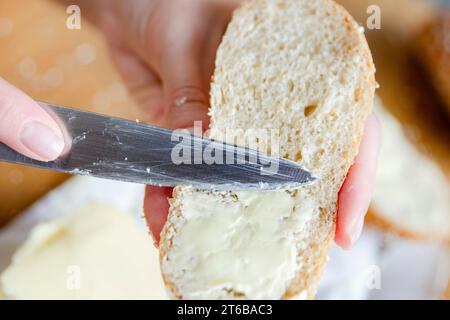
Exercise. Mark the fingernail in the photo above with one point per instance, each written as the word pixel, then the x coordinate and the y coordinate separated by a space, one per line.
pixel 41 140
pixel 357 229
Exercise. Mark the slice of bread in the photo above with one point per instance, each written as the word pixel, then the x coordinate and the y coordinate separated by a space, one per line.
pixel 433 50
pixel 301 68
pixel 412 193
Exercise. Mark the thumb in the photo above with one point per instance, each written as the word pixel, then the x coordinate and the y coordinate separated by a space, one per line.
pixel 26 127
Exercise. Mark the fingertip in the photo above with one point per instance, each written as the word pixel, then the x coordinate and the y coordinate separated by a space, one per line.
pixel 352 207
pixel 347 237
pixel 41 140
pixel 156 209
pixel 343 242
pixel 26 127
pixel 356 192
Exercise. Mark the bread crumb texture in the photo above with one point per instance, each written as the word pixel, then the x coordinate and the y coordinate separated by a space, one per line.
pixel 302 69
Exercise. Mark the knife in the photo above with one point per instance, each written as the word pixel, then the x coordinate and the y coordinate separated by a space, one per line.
pixel 124 150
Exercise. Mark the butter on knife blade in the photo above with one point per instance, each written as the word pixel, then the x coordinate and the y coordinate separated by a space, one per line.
pixel 118 149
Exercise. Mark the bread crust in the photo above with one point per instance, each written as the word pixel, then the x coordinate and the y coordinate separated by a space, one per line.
pixel 306 281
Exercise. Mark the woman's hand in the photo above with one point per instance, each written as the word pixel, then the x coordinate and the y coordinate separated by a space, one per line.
pixel 165 50
pixel 26 127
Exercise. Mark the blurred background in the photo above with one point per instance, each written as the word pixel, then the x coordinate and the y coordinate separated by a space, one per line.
pixel 52 63
pixel 408 222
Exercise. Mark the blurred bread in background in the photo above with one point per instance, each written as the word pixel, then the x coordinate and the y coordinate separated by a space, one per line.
pixel 433 51
pixel 412 194
pixel 407 96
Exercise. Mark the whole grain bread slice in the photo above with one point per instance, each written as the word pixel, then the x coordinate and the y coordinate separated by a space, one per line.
pixel 303 70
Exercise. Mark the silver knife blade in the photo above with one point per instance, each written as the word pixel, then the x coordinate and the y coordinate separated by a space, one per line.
pixel 118 149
